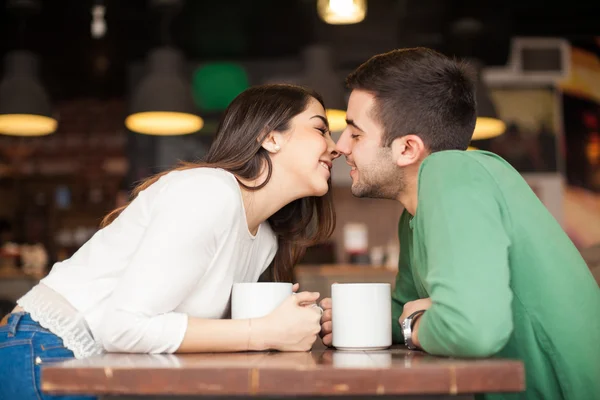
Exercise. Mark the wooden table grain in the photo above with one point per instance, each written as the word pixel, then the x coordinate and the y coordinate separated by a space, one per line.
pixel 321 372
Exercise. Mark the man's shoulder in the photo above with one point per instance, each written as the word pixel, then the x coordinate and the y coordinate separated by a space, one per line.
pixel 460 158
pixel 453 166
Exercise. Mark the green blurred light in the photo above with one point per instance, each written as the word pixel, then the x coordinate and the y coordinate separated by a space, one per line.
pixel 215 85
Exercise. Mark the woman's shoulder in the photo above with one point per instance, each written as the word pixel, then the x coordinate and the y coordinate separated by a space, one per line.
pixel 194 189
pixel 199 198
pixel 203 181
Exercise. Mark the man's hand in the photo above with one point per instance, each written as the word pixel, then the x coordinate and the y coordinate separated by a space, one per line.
pixel 326 324
pixel 409 308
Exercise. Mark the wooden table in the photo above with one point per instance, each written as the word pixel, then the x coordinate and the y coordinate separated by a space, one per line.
pixel 322 372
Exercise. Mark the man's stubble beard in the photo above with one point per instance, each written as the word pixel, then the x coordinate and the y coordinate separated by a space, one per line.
pixel 384 181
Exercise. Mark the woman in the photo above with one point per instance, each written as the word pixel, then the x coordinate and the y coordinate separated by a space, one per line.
pixel 157 277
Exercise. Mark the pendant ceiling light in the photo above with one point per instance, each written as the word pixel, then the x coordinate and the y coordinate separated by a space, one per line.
pixel 488 123
pixel 25 108
pixel 465 33
pixel 342 12
pixel 321 76
pixel 162 103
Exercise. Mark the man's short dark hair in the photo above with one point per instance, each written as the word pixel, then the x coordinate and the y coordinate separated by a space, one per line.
pixel 423 92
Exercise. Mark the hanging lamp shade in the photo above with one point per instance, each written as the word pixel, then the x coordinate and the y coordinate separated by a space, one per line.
pixel 162 104
pixel 25 108
pixel 321 76
pixel 488 123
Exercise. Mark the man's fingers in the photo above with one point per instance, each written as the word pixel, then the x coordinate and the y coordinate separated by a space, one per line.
pixel 326 303
pixel 328 340
pixel 326 315
pixel 295 287
pixel 326 328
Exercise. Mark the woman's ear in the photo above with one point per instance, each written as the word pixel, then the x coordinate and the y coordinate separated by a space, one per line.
pixel 272 142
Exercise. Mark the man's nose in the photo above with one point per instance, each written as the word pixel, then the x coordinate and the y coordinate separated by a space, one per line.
pixel 343 144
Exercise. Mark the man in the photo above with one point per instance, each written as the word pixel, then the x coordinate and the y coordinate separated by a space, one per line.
pixel 484 269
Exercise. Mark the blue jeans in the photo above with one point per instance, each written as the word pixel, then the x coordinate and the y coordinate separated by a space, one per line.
pixel 24 348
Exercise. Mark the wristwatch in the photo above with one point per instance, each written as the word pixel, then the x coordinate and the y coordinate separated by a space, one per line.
pixel 407 326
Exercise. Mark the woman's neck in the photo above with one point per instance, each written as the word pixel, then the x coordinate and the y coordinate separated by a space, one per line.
pixel 261 204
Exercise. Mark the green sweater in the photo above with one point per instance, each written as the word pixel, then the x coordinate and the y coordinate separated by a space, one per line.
pixel 504 278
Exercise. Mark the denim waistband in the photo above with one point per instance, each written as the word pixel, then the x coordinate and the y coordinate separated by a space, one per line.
pixel 22 321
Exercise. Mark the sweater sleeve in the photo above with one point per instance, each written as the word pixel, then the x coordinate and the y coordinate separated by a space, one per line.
pixel 177 248
pixel 404 289
pixel 459 219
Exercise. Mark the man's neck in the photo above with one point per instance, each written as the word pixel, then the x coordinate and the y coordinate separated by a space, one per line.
pixel 409 202
pixel 408 197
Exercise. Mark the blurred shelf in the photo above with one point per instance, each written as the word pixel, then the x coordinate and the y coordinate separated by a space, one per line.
pixel 319 278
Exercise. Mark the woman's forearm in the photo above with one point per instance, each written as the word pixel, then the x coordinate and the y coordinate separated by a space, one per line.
pixel 223 335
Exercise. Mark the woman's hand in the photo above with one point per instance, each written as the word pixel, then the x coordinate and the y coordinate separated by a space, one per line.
pixel 294 325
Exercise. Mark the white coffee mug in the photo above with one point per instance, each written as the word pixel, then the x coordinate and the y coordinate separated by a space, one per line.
pixel 257 299
pixel 361 316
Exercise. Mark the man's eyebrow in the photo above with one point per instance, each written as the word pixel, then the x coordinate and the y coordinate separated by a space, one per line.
pixel 352 123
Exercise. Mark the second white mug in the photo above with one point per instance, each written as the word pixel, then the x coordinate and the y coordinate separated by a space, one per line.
pixel 361 316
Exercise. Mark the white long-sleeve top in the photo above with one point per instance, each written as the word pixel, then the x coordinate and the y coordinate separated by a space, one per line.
pixel 174 252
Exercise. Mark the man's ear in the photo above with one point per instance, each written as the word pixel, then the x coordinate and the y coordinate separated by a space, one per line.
pixel 408 150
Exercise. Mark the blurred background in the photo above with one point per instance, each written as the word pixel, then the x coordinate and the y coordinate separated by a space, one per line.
pixel 98 94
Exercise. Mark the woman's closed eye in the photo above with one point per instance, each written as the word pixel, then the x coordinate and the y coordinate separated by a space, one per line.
pixel 324 131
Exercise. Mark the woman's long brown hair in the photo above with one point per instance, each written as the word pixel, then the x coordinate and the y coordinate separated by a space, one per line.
pixel 237 148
